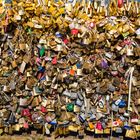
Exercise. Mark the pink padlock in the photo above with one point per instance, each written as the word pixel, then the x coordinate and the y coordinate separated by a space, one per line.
pixel 48 119
pixel 92 24
pixel 25 125
pixel 99 126
pixel 38 60
pixel 127 42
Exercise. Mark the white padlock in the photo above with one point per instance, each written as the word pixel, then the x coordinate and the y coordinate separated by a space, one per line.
pixel 79 72
pixel 59 47
pixel 22 102
pixel 129 51
pixel 17 17
pixel 21 12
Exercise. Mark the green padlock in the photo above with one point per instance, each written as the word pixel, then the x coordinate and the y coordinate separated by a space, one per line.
pixel 70 107
pixel 42 51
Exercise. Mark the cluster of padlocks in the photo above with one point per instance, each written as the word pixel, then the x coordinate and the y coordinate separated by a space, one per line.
pixel 70 66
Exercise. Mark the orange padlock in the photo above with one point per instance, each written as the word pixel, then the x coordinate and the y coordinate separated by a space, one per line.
pixel 91 125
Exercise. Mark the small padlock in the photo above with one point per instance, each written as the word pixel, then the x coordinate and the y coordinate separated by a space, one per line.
pixel 129 51
pixel 14 64
pixel 115 107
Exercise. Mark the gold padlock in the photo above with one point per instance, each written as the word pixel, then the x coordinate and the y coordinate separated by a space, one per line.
pixel 10 12
pixel 14 64
pixel 131 134
pixel 17 127
pixel 22 46
pixel 99 131
pixel 106 131
pixel 73 128
pixel 1 131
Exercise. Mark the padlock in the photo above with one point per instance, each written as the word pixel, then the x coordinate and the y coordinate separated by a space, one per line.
pixel 17 127
pixel 22 67
pixel 118 130
pixel 114 107
pixel 1 130
pixel 79 72
pixel 22 46
pixel 131 134
pixel 129 51
pixel 69 67
pixel 14 64
pixel 23 102
pixel 73 128
pixel 134 120
pixel 137 127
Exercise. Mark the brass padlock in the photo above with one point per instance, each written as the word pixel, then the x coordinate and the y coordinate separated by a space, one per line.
pixel 131 134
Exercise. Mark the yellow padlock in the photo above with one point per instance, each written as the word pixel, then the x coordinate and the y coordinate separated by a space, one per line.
pixel 131 134
pixel 106 131
pixel 98 131
pixel 73 128
pixel 137 127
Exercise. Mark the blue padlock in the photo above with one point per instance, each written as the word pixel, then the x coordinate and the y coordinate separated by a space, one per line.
pixel 82 118
pixel 78 65
pixel 122 104
pixel 42 78
pixel 53 122
pixel 41 69
pixel 126 127
pixel 8 1
pixel 38 90
pixel 58 34
pixel 70 1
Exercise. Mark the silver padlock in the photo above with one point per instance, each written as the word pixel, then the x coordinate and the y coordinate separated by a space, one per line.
pixel 115 108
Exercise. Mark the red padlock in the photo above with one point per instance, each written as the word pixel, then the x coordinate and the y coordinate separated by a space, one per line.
pixel 39 75
pixel 43 109
pixel 120 3
pixel 54 61
pixel 65 41
pixel 74 31
pixel 26 112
